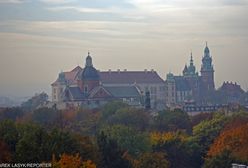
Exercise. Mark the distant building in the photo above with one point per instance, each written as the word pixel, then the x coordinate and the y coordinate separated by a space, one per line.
pixel 89 87
pixel 191 87
pixel 231 92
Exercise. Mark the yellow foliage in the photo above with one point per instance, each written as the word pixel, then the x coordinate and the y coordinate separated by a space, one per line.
pixel 71 161
pixel 161 137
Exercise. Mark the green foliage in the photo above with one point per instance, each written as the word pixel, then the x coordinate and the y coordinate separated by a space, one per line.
pixel 205 132
pixel 112 155
pixel 131 117
pixel 152 160
pixel 222 160
pixel 45 115
pixel 33 144
pixel 9 133
pixel 172 121
pixel 63 142
pixel 129 139
pixel 110 108
pixel 180 151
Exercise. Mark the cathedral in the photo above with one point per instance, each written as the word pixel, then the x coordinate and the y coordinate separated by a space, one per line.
pixel 190 87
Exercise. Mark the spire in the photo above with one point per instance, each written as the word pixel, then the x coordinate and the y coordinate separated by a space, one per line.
pixel 191 59
pixel 88 60
pixel 206 50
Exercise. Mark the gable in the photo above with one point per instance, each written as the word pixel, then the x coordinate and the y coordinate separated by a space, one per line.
pixel 100 92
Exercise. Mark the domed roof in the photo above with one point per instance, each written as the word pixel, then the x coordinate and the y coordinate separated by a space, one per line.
pixel 90 73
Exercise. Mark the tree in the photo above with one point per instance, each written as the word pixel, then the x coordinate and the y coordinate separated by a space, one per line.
pixel 35 101
pixel 181 152
pixel 222 160
pixel 205 132
pixel 32 145
pixel 45 116
pixel 72 161
pixel 172 121
pixel 9 134
pixel 11 113
pixel 63 142
pixel 110 108
pixel 131 117
pixel 152 160
pixel 129 139
pixel 197 119
pixel 234 140
pixel 111 154
pixel 5 154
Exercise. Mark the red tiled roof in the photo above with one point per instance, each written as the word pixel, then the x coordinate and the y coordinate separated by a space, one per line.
pixel 71 76
pixel 118 77
pixel 130 77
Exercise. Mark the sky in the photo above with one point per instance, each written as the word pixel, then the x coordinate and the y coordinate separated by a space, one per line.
pixel 40 38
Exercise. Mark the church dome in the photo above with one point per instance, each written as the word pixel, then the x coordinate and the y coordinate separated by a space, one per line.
pixel 89 72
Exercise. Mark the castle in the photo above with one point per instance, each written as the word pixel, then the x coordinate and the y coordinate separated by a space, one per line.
pixel 191 87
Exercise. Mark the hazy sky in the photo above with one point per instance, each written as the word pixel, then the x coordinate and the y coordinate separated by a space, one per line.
pixel 40 38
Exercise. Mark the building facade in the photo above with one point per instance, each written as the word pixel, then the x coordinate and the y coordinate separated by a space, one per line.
pixel 90 87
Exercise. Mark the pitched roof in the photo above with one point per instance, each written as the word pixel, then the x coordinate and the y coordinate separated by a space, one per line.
pixel 123 91
pixel 130 77
pixel 76 93
pixel 182 84
pixel 117 77
pixel 71 76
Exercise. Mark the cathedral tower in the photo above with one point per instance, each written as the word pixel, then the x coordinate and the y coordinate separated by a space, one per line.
pixel 207 71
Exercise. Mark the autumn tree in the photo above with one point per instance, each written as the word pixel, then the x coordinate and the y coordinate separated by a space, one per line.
pixel 72 161
pixel 181 152
pixel 234 140
pixel 5 154
pixel 152 160
pixel 205 132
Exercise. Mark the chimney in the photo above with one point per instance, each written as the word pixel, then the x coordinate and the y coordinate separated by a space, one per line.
pixel 125 70
pixel 109 71
pixel 118 70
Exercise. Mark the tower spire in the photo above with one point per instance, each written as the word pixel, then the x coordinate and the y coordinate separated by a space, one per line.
pixel 191 58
